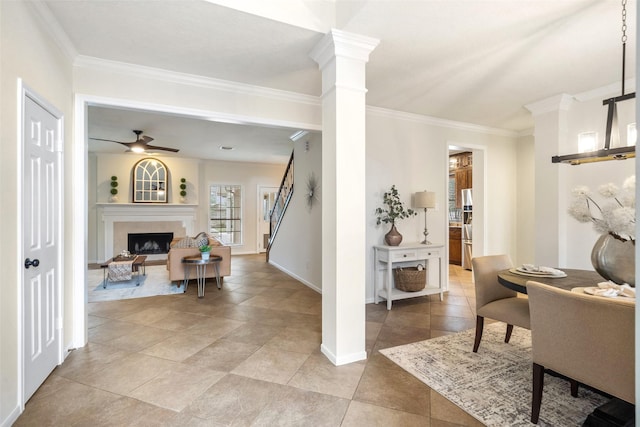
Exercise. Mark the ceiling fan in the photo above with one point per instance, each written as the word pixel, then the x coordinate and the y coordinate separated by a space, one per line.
pixel 141 144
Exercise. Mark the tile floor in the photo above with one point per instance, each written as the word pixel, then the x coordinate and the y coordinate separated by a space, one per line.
pixel 247 355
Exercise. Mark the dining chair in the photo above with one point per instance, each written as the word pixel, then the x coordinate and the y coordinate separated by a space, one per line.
pixel 586 338
pixel 494 300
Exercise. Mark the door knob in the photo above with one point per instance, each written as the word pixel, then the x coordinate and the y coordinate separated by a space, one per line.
pixel 28 263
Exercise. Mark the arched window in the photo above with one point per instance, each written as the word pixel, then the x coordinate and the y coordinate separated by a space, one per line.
pixel 150 181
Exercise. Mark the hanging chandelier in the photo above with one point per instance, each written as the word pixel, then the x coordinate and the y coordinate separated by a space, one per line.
pixel 612 131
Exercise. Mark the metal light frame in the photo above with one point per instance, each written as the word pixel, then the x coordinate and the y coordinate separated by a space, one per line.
pixel 607 153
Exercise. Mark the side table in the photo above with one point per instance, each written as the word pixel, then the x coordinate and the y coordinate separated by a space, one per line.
pixel 201 270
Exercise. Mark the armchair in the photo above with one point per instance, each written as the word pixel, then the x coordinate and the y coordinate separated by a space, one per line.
pixel 176 268
pixel 494 300
pixel 586 338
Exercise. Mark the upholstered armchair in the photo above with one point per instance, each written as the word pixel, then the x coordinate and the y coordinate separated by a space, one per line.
pixel 586 338
pixel 184 246
pixel 494 300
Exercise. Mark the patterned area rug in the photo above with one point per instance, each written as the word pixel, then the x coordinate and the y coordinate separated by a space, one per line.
pixel 493 385
pixel 156 282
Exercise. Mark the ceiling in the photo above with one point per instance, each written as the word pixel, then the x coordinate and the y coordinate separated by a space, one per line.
pixel 473 61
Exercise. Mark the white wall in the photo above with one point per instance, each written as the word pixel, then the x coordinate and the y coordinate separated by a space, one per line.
pixel 412 153
pixel 525 201
pixel 559 239
pixel 31 55
pixel 298 246
pixel 200 174
pixel 250 176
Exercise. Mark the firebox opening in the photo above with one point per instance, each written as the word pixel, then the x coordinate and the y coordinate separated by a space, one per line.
pixel 149 243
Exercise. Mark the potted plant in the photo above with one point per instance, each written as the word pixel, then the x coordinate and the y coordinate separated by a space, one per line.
pixel 392 211
pixel 205 251
pixel 114 189
pixel 183 189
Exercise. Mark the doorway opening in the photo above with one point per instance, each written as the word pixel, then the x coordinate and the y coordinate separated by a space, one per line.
pixel 465 186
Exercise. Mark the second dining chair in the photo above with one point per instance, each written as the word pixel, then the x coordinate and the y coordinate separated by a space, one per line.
pixel 495 301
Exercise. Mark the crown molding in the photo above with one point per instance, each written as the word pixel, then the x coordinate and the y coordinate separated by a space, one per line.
pixel 560 102
pixel 50 23
pixel 605 91
pixel 142 71
pixel 435 121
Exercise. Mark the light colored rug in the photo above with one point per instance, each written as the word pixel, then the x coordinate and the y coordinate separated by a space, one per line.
pixel 156 282
pixel 493 385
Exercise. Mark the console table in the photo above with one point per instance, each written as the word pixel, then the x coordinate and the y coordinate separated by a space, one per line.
pixel 389 257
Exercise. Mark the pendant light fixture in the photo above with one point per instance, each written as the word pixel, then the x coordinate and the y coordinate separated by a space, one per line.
pixel 612 131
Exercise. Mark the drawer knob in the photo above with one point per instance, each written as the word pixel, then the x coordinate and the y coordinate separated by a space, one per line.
pixel 405 255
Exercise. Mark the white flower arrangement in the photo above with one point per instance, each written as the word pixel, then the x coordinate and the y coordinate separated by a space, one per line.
pixel 615 216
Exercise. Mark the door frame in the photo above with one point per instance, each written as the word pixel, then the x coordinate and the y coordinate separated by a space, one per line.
pixel 259 237
pixel 479 194
pixel 79 172
pixel 24 91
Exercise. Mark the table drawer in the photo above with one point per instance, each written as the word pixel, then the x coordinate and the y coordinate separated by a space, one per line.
pixel 407 255
pixel 428 253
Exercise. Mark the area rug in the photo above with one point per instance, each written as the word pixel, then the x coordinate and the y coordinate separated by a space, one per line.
pixel 493 385
pixel 155 282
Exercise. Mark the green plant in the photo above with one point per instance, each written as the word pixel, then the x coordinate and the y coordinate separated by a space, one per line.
pixel 393 209
pixel 205 248
pixel 183 187
pixel 114 185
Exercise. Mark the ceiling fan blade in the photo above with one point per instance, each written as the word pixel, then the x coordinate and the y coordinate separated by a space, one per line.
pixel 146 139
pixel 153 147
pixel 109 140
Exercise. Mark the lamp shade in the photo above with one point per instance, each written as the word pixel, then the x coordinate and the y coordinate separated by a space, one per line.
pixel 425 199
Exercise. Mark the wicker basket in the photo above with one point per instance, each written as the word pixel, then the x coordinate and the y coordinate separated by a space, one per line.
pixel 410 279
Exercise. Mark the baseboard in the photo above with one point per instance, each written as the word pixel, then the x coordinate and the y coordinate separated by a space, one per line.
pixel 295 276
pixel 11 418
pixel 343 360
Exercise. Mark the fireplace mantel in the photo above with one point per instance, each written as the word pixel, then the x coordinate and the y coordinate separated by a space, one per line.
pixel 112 213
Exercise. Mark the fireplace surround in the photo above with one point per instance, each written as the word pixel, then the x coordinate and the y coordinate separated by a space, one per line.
pixel 120 219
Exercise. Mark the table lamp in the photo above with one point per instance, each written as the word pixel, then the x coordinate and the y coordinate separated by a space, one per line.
pixel 426 200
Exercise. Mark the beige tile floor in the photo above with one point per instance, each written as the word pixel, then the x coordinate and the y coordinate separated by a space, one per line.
pixel 247 355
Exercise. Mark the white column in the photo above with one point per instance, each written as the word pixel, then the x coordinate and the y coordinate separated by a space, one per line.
pixel 342 58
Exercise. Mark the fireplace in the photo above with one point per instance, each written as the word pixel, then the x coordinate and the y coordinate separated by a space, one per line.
pixel 149 243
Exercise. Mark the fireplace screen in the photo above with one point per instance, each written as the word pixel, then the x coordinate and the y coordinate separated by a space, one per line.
pixel 149 243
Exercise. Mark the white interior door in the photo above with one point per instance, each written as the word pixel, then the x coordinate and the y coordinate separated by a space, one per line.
pixel 42 324
pixel 267 196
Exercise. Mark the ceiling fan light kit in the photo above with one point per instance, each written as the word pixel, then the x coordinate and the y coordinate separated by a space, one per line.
pixel 608 153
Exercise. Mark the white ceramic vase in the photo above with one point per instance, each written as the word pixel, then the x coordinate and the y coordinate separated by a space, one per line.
pixel 205 255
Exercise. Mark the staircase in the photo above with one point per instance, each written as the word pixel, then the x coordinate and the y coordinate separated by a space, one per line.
pixel 280 204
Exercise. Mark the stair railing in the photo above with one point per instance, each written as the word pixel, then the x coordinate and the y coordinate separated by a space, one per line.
pixel 280 203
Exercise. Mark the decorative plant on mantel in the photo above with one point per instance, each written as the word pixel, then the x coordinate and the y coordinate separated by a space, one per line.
pixel 392 211
pixel 183 189
pixel 114 189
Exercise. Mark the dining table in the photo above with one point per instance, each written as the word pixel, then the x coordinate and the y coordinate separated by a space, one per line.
pixel 573 279
pixel 615 411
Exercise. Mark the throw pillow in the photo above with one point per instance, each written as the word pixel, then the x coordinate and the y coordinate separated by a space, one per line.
pixel 185 242
pixel 201 239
